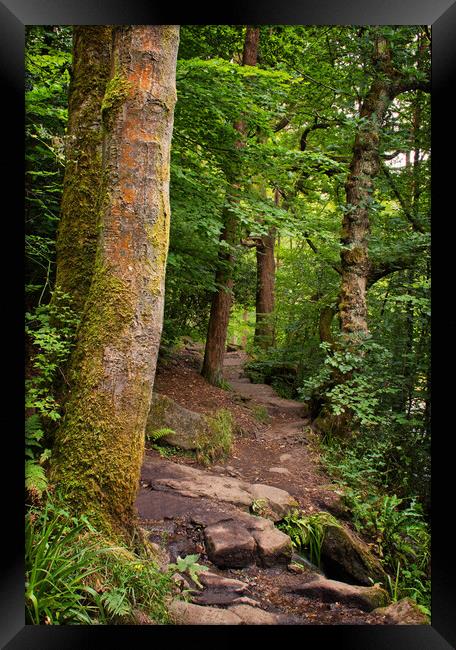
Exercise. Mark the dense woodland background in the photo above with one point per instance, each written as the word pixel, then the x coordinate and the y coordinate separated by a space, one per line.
pixel 300 205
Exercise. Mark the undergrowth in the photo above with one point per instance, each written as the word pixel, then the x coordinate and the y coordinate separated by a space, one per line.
pixel 395 526
pixel 215 443
pixel 50 331
pixel 307 532
pixel 75 576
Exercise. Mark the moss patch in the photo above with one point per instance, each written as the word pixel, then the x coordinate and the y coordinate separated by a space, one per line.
pixel 117 90
pixel 215 443
pixel 100 444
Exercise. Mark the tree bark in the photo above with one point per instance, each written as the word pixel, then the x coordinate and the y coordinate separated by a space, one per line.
pixel 265 295
pixel 364 167
pixel 100 444
pixel 219 317
pixel 214 352
pixel 356 225
pixel 324 328
pixel 77 231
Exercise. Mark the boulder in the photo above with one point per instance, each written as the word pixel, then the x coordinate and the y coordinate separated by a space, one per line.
pixel 346 557
pixel 403 612
pixel 182 613
pixel 240 542
pixel 273 546
pixel 365 598
pixel 187 426
pixel 229 544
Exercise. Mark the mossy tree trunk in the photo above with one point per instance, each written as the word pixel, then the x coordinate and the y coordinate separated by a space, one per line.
pixel 214 352
pixel 77 231
pixel 100 443
pixel 357 272
pixel 387 84
pixel 364 168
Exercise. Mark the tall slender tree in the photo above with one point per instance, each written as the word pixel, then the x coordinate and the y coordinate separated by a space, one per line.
pixel 212 369
pixel 265 286
pixel 99 446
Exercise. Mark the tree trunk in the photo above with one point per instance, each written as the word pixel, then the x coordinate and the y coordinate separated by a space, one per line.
pixel 326 318
pixel 364 167
pixel 264 328
pixel 214 352
pixel 219 317
pixel 356 225
pixel 100 444
pixel 77 231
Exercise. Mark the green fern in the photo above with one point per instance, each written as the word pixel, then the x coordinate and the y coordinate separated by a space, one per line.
pixel 159 433
pixel 307 532
pixel 116 602
pixel 35 478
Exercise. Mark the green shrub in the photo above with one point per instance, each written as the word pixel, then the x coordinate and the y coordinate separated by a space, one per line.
pixel 354 380
pixel 395 525
pixel 59 557
pixel 189 564
pixel 50 330
pixel 215 444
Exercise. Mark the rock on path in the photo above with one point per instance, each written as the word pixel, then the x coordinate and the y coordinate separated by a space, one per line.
pixel 162 474
pixel 232 537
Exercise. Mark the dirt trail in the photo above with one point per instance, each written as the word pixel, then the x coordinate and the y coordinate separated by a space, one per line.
pixel 279 451
pixel 283 452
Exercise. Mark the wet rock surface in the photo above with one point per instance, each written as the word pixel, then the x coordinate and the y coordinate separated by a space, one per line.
pixel 348 558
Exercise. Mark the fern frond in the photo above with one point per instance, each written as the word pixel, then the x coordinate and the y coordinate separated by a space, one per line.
pixel 35 477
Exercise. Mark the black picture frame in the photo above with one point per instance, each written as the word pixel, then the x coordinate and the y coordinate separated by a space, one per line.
pixel 441 15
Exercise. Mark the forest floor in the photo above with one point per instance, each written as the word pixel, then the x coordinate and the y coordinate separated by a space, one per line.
pixel 274 445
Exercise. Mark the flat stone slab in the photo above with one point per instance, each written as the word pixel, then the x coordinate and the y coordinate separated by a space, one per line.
pixel 182 613
pixel 365 598
pixel 162 474
pixel 279 470
pixel 255 616
pixel 233 538
pixel 265 394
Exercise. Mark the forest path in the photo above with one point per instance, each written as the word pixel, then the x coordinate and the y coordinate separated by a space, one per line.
pixel 185 506
pixel 283 452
